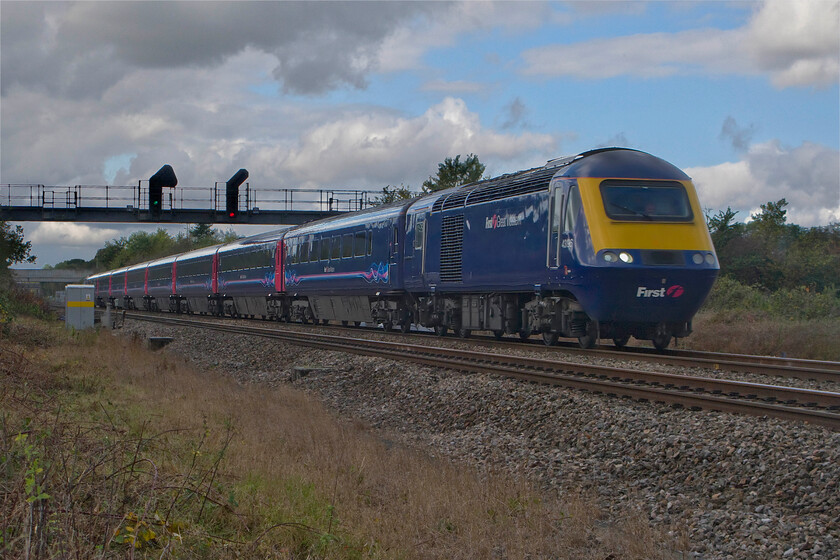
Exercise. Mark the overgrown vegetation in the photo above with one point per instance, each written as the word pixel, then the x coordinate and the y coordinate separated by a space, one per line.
pixel 770 254
pixel 109 451
pixel 779 287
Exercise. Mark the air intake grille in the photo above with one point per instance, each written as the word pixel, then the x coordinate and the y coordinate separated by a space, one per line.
pixel 451 248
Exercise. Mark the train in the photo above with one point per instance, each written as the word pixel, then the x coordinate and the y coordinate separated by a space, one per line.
pixel 606 244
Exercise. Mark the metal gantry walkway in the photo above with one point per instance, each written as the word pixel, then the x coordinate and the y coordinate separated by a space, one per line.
pixel 109 203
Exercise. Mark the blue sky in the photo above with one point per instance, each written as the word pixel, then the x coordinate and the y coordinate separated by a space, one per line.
pixel 742 95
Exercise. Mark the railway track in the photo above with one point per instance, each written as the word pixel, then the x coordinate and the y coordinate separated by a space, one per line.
pixel 815 370
pixel 787 403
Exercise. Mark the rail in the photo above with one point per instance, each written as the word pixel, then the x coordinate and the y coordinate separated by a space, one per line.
pixel 787 403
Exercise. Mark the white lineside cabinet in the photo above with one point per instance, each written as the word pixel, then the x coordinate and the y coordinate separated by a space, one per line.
pixel 78 306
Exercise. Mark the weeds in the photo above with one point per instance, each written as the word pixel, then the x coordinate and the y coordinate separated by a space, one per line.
pixel 795 304
pixel 749 320
pixel 108 451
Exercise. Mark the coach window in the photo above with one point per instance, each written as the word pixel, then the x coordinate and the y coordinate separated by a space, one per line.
pixel 336 248
pixel 347 245
pixel 369 242
pixel 293 252
pixel 304 251
pixel 316 250
pixel 325 248
pixel 360 244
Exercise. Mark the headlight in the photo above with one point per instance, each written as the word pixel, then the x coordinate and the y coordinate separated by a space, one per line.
pixel 610 257
pixel 625 257
pixel 697 258
pixel 710 258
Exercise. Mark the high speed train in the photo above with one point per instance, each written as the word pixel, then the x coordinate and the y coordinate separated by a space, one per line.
pixel 610 243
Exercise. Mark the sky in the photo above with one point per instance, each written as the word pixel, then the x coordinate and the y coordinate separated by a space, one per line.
pixel 743 96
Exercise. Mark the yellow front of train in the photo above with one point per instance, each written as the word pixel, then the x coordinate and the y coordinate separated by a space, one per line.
pixel 650 260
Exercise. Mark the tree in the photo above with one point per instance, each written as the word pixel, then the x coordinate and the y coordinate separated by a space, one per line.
pixel 13 249
pixel 454 172
pixel 392 194
pixel 73 264
pixel 106 257
pixel 771 219
pixel 723 228
pixel 200 232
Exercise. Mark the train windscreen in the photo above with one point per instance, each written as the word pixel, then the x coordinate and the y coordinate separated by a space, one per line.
pixel 655 202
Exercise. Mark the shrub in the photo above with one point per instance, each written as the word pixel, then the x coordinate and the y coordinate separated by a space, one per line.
pixel 730 296
pixel 15 301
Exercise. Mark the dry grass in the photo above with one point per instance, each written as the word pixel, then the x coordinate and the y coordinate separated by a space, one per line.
pixel 162 461
pixel 751 333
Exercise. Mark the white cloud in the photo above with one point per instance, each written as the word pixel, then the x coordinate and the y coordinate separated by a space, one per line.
pixel 796 43
pixel 83 48
pixel 651 55
pixel 379 148
pixel 71 234
pixel 808 177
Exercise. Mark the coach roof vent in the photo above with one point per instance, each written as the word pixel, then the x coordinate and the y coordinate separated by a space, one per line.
pixel 532 181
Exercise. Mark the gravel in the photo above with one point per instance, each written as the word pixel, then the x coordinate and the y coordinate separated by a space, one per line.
pixel 739 487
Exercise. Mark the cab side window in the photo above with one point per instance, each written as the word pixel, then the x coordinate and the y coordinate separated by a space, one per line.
pixel 572 208
pixel 419 234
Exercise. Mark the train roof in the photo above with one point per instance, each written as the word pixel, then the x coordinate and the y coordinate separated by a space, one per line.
pixel 267 236
pixel 203 252
pixel 366 216
pixel 622 163
pixel 169 259
pixel 603 162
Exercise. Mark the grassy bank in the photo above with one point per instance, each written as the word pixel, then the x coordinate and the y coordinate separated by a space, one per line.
pixel 745 319
pixel 110 451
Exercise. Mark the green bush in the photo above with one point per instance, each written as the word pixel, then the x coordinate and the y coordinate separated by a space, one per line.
pixel 15 301
pixel 729 295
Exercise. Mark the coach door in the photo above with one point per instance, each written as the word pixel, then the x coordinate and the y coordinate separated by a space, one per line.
pixel 555 226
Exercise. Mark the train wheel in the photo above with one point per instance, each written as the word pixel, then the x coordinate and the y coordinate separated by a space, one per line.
pixel 549 338
pixel 661 341
pixel 357 323
pixel 440 330
pixel 345 323
pixel 525 335
pixel 590 339
pixel 464 333
pixel 307 317
pixel 621 341
pixel 325 321
pixel 405 326
pixel 387 326
pixel 498 334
